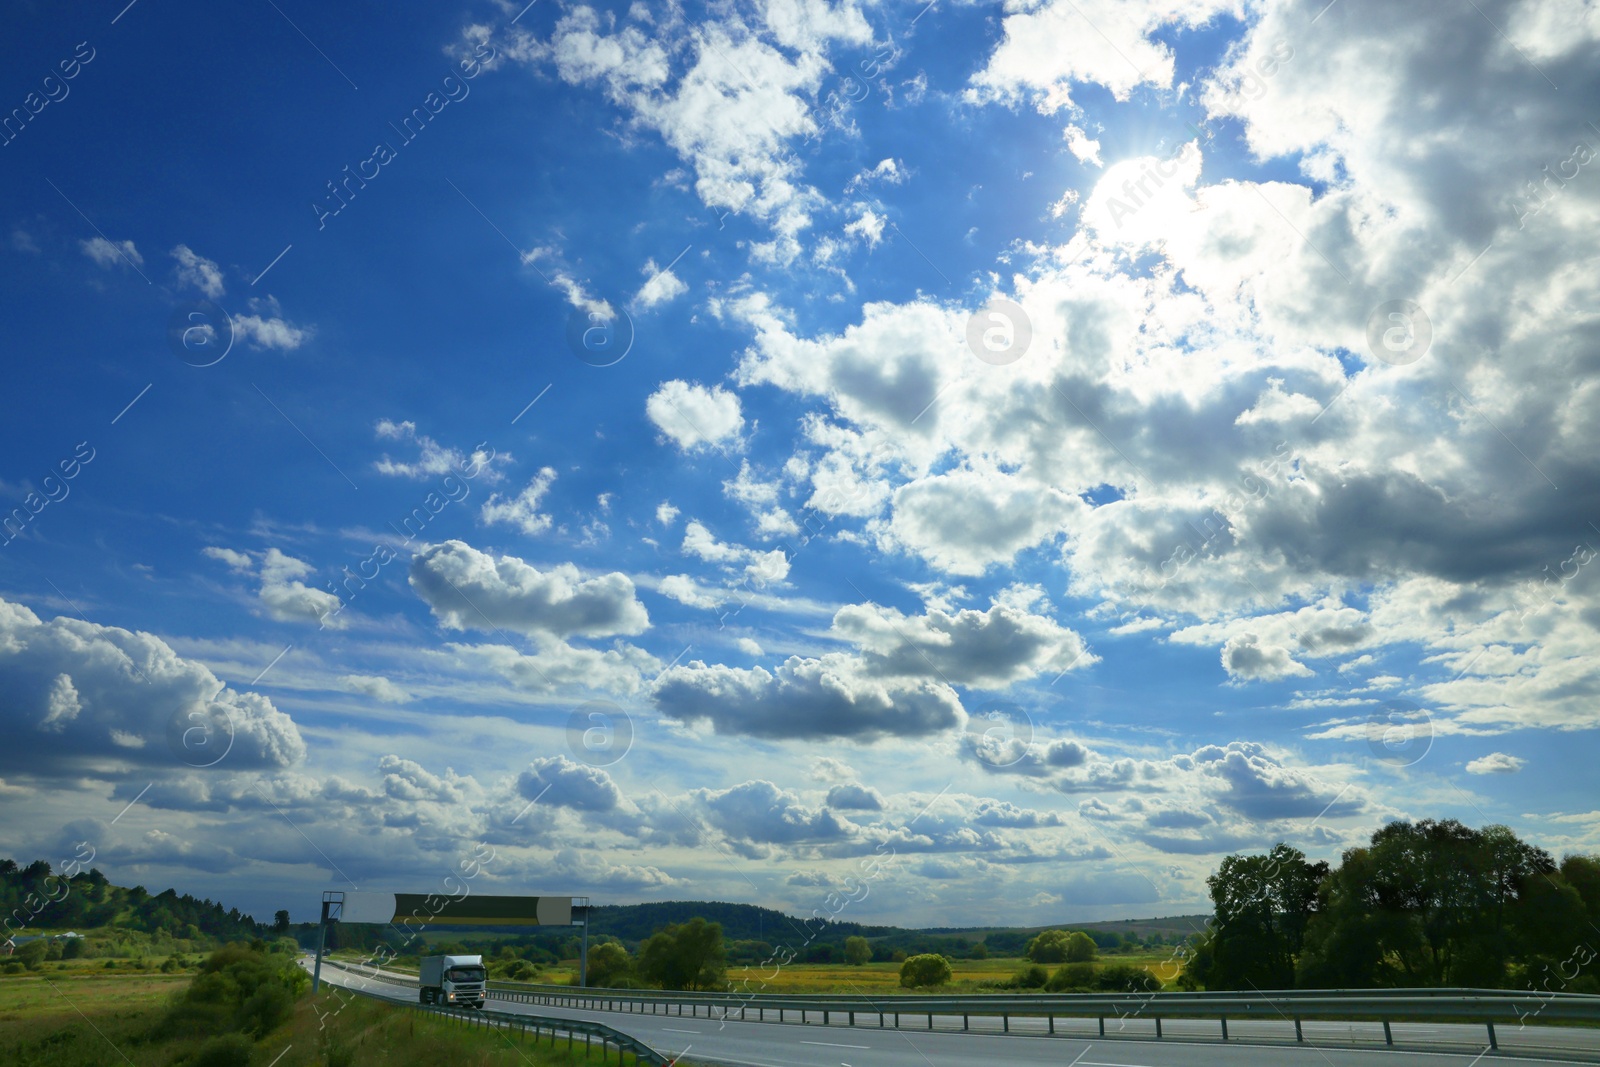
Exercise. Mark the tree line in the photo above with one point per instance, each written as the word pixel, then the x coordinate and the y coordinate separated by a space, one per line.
pixel 1428 903
pixel 36 897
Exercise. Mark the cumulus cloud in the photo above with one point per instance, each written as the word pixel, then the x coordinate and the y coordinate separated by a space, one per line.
pixel 1049 46
pixel 760 567
pixel 264 326
pixel 469 589
pixel 71 685
pixel 855 797
pixel 693 416
pixel 282 591
pixel 557 780
pixel 985 649
pixel 1244 657
pixel 661 287
pixel 807 698
pixel 1496 763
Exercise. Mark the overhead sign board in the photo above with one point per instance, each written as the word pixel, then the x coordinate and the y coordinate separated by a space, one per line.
pixel 444 910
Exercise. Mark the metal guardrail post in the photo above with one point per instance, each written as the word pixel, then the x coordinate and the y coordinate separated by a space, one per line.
pixel 1052 1019
pixel 1158 1028
pixel 1388 1035
pixel 1224 1028
pixel 964 1024
pixel 1005 1022
pixel 1493 1044
pixel 1298 1035
pixel 1102 1026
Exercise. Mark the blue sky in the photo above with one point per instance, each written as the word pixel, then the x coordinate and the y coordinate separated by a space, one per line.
pixel 1060 444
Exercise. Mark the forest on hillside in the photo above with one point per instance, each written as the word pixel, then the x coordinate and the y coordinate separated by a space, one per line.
pixel 36 898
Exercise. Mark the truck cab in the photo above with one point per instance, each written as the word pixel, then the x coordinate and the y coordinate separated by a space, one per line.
pixel 452 981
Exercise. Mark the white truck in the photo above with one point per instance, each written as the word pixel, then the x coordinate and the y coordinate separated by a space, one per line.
pixel 452 981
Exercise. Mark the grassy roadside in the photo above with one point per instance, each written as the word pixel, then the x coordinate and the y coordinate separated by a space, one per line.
pixel 96 1021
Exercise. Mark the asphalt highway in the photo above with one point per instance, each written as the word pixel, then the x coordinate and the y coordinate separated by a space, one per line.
pixel 1130 1043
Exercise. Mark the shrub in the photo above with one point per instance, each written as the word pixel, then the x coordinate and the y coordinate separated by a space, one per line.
pixel 13 967
pixel 1126 978
pixel 926 969
pixel 265 1009
pixel 1071 976
pixel 1033 976
pixel 225 1050
pixel 857 951
pixel 32 954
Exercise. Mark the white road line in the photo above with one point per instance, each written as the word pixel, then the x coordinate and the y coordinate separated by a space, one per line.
pixel 833 1044
pixel 674 1030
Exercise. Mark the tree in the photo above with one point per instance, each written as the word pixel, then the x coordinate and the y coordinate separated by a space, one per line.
pixel 609 963
pixel 857 951
pixel 687 955
pixel 32 953
pixel 980 951
pixel 1080 947
pixel 927 969
pixel 280 921
pixel 1049 947
pixel 1262 905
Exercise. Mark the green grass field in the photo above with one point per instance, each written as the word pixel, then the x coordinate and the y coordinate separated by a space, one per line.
pixel 93 1021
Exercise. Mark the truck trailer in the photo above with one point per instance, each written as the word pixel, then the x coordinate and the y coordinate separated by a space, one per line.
pixel 452 981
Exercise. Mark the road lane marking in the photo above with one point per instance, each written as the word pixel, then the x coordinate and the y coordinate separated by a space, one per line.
pixel 833 1044
pixel 673 1030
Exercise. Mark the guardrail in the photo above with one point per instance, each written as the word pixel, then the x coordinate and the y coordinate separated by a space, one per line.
pixel 1485 1007
pixel 539 1025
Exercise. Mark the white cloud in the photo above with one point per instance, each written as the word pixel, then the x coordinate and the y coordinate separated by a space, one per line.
pixel 888 171
pixel 1049 46
pixel 749 646
pixel 198 271
pixel 557 780
pixel 282 591
pixel 661 287
pixel 265 327
pixel 434 459
pixel 1081 145
pixel 522 510
pixel 666 514
pixel 111 253
pixel 807 699
pixel 63 706
pixel 760 567
pixel 694 416
pixel 1244 657
pixel 983 649
pixel 374 686
pixel 867 227
pixel 1496 763
pixel 70 685
pixel 469 589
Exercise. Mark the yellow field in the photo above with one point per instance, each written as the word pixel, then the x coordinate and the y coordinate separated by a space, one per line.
pixel 885 977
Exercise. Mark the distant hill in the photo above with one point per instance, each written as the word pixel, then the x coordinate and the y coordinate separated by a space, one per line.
pixel 740 922
pixel 36 898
